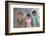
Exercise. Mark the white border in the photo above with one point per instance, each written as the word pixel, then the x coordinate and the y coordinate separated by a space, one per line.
pixel 17 5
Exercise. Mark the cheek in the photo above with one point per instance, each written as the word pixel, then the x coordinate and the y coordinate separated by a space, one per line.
pixel 17 16
pixel 20 16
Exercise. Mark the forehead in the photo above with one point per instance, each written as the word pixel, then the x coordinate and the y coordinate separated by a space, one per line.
pixel 19 13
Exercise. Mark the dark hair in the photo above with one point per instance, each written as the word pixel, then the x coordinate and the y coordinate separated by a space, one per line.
pixel 28 15
pixel 34 12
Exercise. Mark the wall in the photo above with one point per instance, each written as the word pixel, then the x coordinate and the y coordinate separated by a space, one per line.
pixel 2 18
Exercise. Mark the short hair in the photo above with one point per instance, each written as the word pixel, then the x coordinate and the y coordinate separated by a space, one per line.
pixel 28 15
pixel 34 12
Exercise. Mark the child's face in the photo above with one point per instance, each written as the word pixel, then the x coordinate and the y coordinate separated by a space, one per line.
pixel 20 16
pixel 34 14
pixel 28 17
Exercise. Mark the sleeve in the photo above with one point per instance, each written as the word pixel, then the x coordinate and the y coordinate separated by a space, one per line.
pixel 37 20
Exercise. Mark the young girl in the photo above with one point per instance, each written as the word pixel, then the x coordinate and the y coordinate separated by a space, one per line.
pixel 28 20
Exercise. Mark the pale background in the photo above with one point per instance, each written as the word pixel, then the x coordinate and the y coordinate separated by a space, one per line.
pixel 2 18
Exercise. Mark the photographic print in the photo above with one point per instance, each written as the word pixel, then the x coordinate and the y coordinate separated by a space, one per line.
pixel 24 17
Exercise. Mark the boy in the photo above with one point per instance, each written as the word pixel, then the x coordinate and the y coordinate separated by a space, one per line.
pixel 34 18
pixel 19 17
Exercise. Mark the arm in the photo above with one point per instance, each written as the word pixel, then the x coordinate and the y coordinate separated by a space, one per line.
pixel 37 22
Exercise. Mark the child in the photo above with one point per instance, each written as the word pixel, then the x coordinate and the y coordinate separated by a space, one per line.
pixel 19 19
pixel 28 20
pixel 34 18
